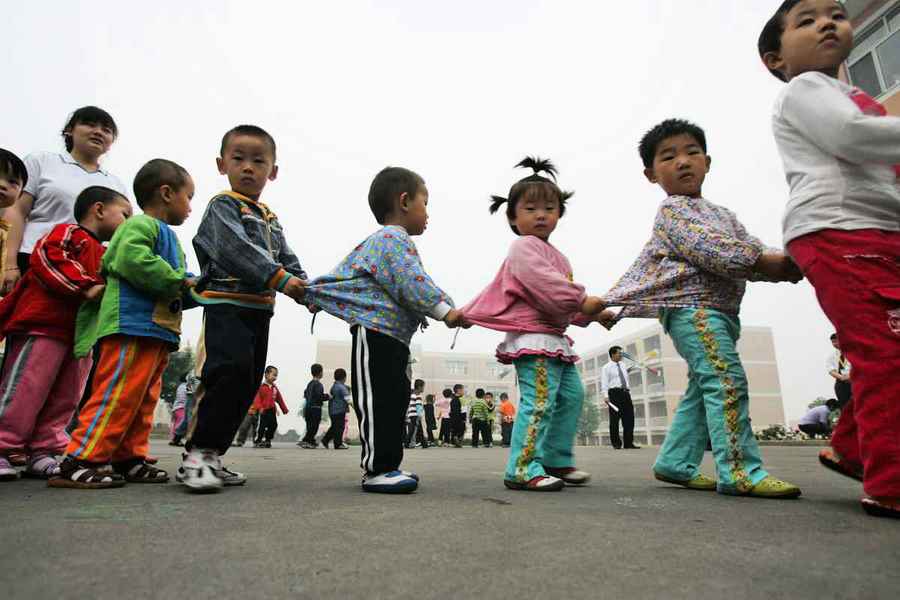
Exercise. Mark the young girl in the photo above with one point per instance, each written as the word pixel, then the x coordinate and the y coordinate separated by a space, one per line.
pixel 533 299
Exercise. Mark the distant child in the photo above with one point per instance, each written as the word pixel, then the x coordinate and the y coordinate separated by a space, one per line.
pixel 478 413
pixel 442 406
pixel 13 177
pixel 487 435
pixel 457 417
pixel 314 396
pixel 382 290
pixel 507 418
pixel 692 275
pixel 244 262
pixel 178 406
pixel 841 155
pixel 42 380
pixel 267 396
pixel 414 432
pixel 337 411
pixel 249 426
pixel 137 324
pixel 430 419
pixel 534 299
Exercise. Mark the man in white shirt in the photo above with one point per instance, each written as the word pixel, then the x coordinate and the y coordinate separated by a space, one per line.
pixel 614 386
pixel 839 368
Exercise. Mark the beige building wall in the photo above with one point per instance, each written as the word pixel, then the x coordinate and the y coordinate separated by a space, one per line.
pixel 656 395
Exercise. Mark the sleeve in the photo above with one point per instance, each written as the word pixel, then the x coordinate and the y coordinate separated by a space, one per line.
pixel 851 135
pixel 395 264
pixel 604 383
pixel 55 262
pixel 280 400
pixel 704 242
pixel 33 163
pixel 222 237
pixel 831 363
pixel 547 289
pixel 131 256
pixel 318 393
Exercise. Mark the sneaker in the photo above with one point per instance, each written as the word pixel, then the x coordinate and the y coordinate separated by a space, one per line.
pixel 394 482
pixel 342 447
pixel 196 471
pixel 569 475
pixel 228 476
pixel 7 471
pixel 882 507
pixel 536 484
pixel 41 466
pixel 699 482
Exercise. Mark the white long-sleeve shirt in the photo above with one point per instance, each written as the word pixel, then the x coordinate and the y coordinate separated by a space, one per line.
pixel 609 377
pixel 838 160
pixel 833 363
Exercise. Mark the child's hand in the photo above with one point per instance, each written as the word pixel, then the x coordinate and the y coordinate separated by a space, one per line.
pixel 777 266
pixel 94 292
pixel 295 288
pixel 607 318
pixel 189 282
pixel 455 319
pixel 592 305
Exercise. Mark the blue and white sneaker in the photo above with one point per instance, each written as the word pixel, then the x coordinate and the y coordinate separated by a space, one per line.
pixel 393 482
pixel 411 475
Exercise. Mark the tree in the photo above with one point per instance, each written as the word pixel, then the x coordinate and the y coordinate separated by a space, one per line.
pixel 588 421
pixel 180 363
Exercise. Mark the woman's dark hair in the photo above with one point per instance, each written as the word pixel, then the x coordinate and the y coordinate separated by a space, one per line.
pixel 387 187
pixel 88 115
pixel 90 196
pixel 340 375
pixel 12 167
pixel 533 185
pixel 770 37
pixel 155 174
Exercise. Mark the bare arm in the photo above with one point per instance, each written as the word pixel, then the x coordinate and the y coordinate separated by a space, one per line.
pixel 16 215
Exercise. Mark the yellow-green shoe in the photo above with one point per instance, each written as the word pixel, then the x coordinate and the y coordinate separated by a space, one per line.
pixel 700 482
pixel 771 487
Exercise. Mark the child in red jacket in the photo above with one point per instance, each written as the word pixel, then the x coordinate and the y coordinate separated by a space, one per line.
pixel 41 381
pixel 266 397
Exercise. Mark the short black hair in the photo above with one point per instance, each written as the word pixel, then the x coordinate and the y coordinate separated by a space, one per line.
pixel 447 392
pixel 770 37
pixel 340 375
pixel 419 383
pixel 316 370
pixel 90 196
pixel 429 399
pixel 833 337
pixel 251 130
pixel 533 185
pixel 388 185
pixel 614 349
pixel 486 394
pixel 155 174
pixel 271 368
pixel 12 167
pixel 458 386
pixel 669 128
pixel 831 403
pixel 479 393
pixel 504 395
pixel 88 115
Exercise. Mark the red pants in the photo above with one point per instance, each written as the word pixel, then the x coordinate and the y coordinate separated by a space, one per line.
pixel 856 275
pixel 114 424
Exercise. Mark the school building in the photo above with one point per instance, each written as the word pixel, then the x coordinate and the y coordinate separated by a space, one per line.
pixel 657 385
pixel 874 64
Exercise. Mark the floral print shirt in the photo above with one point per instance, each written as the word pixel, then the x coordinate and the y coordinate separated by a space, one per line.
pixel 382 286
pixel 699 255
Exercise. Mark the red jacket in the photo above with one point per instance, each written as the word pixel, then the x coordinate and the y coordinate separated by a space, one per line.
pixel 64 263
pixel 267 396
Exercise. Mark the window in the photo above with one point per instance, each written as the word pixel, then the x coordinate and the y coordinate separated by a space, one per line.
pixel 656 381
pixel 494 370
pixel 590 365
pixel 631 349
pixel 658 409
pixel 457 367
pixel 874 64
pixel 636 381
pixel 652 347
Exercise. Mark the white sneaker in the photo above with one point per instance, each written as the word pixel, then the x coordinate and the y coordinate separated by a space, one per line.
pixel 227 476
pixel 394 482
pixel 197 471
pixel 7 471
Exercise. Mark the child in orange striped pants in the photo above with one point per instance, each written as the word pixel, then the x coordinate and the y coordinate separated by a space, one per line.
pixel 138 323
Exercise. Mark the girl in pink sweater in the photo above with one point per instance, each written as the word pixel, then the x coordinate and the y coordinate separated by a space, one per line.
pixel 533 299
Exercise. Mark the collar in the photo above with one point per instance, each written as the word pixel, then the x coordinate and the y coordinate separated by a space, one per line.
pixel 267 213
pixel 70 160
pixel 89 232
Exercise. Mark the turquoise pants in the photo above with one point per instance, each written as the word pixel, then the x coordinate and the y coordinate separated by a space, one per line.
pixel 716 403
pixel 551 394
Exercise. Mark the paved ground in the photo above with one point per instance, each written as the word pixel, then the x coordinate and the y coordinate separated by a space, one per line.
pixel 302 529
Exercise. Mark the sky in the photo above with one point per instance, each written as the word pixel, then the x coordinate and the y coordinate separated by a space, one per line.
pixel 458 92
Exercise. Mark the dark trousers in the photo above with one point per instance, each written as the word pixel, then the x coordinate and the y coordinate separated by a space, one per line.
pixel 236 341
pixel 842 392
pixel 622 399
pixel 445 431
pixel 335 433
pixel 481 429
pixel 247 428
pixel 88 385
pixel 313 417
pixel 380 397
pixel 457 428
pixel 268 425
pixel 414 433
pixel 506 433
pixel 815 429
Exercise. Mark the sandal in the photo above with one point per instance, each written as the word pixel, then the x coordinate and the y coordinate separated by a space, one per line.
pixel 882 507
pixel 832 460
pixel 699 482
pixel 540 483
pixel 139 471
pixel 569 475
pixel 78 475
pixel 41 467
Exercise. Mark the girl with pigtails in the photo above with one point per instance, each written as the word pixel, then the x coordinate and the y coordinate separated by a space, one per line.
pixel 533 299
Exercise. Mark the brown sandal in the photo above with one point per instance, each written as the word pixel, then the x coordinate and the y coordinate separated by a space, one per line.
pixel 141 472
pixel 78 475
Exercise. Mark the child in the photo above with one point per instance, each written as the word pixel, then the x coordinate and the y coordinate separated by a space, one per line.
pixel 249 427
pixel 507 418
pixel 487 434
pixel 382 290
pixel 178 407
pixel 314 395
pixel 41 380
pixel 337 410
pixel 414 432
pixel 267 396
pixel 443 414
pixel 137 324
pixel 244 261
pixel 841 155
pixel 692 275
pixel 457 422
pixel 533 299
pixel 430 420
pixel 478 412
pixel 13 177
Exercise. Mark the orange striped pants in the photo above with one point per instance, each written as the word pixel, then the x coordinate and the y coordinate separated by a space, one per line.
pixel 115 423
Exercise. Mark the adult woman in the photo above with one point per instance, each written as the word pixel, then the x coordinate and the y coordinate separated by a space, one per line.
pixel 54 181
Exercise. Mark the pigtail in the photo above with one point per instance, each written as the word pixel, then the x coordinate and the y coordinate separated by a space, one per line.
pixel 538 165
pixel 496 203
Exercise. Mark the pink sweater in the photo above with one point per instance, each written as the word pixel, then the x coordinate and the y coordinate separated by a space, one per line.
pixel 532 293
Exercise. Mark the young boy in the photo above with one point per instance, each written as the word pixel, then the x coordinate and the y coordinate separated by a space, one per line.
pixel 842 226
pixel 382 290
pixel 314 395
pixel 478 412
pixel 414 433
pixel 137 324
pixel 692 275
pixel 13 177
pixel 337 411
pixel 507 418
pixel 266 398
pixel 244 260
pixel 42 381
pixel 457 421
pixel 487 434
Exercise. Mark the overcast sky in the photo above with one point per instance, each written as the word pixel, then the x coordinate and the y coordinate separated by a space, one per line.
pixel 457 91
